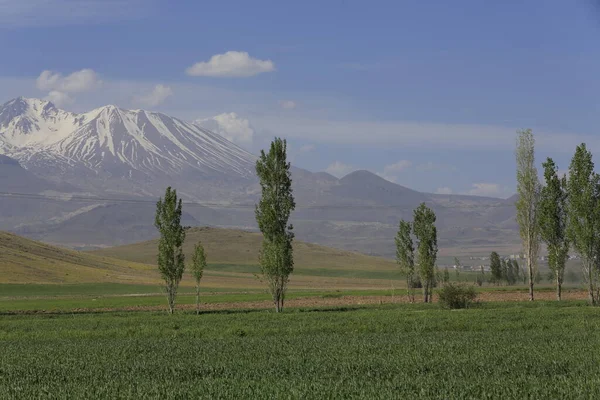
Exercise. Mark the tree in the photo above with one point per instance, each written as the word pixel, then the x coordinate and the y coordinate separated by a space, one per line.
pixel 511 272
pixel 457 268
pixel 171 260
pixel 405 256
pixel 495 268
pixel 553 222
pixel 446 275
pixel 198 266
pixel 504 269
pixel 426 234
pixel 583 189
pixel 272 215
pixel 528 189
pixel 516 270
pixel 480 276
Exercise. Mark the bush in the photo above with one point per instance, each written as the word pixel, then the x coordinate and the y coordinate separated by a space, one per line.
pixel 454 295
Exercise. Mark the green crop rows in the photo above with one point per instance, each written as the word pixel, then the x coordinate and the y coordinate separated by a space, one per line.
pixel 412 351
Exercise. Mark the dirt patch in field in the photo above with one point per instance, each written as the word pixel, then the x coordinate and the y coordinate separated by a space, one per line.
pixel 316 302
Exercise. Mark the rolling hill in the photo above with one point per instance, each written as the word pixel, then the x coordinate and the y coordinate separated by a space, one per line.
pixel 27 261
pixel 232 258
pixel 235 249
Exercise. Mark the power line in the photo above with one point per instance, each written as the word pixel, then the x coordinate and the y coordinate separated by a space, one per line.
pixel 92 199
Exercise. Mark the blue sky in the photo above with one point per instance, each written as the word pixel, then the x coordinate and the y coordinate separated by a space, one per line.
pixel 426 93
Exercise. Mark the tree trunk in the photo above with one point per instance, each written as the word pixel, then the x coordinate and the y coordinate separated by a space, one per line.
pixel 591 285
pixel 277 309
pixel 170 298
pixel 425 292
pixel 197 300
pixel 558 287
pixel 530 266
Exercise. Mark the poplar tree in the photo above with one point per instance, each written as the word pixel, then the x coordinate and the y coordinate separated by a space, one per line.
pixel 553 222
pixel 584 216
pixel 272 215
pixel 426 234
pixel 405 256
pixel 528 188
pixel 495 268
pixel 198 266
pixel 171 260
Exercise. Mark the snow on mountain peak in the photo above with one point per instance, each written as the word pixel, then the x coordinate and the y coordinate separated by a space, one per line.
pixel 115 140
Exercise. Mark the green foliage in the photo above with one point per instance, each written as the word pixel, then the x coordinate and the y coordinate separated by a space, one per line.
pixel 455 295
pixel 553 222
pixel 583 188
pixel 496 268
pixel 171 260
pixel 198 266
pixel 405 254
pixel 511 275
pixel 272 215
pixel 480 278
pixel 446 277
pixel 335 354
pixel 426 234
pixel 528 189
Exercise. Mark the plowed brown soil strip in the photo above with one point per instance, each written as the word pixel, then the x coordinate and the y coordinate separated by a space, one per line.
pixel 314 302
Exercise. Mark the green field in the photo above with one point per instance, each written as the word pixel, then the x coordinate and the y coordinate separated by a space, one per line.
pixel 509 351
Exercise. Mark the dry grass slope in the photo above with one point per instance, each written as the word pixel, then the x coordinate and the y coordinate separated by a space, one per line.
pixel 228 246
pixel 27 261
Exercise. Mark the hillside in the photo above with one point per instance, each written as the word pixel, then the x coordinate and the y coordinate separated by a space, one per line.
pixel 27 261
pixel 236 247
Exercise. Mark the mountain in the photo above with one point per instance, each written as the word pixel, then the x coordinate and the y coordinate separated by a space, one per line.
pixel 97 175
pixel 101 225
pixel 20 192
pixel 119 150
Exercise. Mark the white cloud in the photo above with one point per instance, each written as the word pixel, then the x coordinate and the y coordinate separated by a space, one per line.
pixel 288 104
pixel 391 172
pixel 443 190
pixel 339 169
pixel 59 99
pixel 231 64
pixel 486 190
pixel 230 126
pixel 158 95
pixel 79 81
pixel 21 13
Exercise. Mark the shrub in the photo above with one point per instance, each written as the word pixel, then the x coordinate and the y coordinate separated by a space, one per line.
pixel 454 295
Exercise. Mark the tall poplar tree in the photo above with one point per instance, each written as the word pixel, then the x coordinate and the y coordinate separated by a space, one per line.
pixel 584 216
pixel 405 256
pixel 528 188
pixel 198 266
pixel 495 268
pixel 426 234
pixel 171 260
pixel 272 215
pixel 553 222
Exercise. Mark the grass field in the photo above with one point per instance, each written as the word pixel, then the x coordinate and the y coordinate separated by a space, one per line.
pixel 510 351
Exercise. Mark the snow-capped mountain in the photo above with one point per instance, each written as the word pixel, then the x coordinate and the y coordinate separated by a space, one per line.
pixel 112 144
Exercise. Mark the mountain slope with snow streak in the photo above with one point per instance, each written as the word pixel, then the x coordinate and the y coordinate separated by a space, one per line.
pixel 114 142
